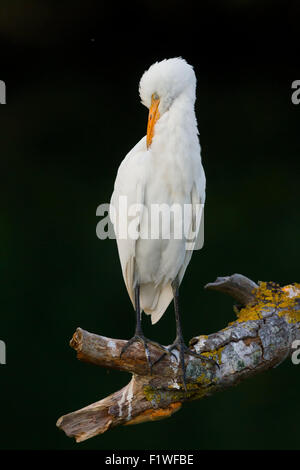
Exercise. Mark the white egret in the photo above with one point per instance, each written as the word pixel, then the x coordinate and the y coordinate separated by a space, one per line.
pixel 163 168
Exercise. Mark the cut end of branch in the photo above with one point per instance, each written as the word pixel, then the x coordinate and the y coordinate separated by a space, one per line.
pixel 76 340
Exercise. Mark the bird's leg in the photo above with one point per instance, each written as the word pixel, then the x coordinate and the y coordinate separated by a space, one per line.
pixel 138 328
pixel 139 335
pixel 179 343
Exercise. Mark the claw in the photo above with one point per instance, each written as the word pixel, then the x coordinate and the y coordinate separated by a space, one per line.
pixel 183 349
pixel 201 356
pixel 145 341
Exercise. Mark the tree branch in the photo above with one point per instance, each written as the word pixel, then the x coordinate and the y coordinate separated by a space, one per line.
pixel 237 286
pixel 268 321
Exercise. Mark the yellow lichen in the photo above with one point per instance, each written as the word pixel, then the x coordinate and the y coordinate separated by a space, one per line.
pixel 270 295
pixel 151 394
pixel 194 392
pixel 215 354
pixel 202 379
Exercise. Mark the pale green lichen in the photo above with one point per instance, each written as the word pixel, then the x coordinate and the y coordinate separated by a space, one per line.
pixel 195 370
pixel 257 357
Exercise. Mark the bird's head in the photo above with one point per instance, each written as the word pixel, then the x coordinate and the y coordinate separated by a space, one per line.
pixel 162 84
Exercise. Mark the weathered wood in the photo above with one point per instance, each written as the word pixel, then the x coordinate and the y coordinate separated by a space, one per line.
pixel 237 286
pixel 260 338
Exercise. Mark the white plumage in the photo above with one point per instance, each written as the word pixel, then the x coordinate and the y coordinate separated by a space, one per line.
pixel 168 171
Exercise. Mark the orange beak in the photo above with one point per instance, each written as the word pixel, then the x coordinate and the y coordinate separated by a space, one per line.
pixel 152 118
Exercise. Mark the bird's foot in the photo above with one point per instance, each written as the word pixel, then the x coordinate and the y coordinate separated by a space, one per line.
pixel 145 341
pixel 182 349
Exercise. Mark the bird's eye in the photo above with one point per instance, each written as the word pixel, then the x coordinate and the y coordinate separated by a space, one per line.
pixel 155 96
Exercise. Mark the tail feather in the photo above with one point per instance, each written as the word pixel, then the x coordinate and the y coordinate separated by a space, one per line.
pixel 155 300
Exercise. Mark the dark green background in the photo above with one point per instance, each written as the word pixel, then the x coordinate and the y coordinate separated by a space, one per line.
pixel 72 114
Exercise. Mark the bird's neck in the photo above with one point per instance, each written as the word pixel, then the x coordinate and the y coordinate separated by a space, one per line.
pixel 176 131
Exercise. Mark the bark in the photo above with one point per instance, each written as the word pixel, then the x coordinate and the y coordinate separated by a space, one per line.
pixel 268 322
